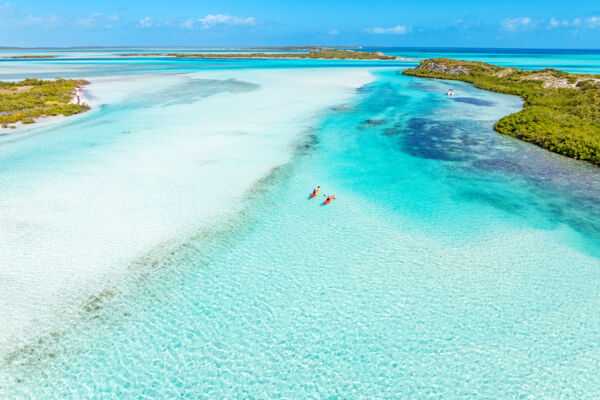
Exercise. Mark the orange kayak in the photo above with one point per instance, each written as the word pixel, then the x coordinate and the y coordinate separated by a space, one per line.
pixel 327 201
pixel 315 193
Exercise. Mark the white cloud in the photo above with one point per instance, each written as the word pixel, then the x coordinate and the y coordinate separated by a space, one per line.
pixel 463 24
pixel 49 21
pixel 593 22
pixel 220 19
pixel 97 20
pixel 213 21
pixel 188 24
pixel 10 18
pixel 147 22
pixel 395 30
pixel 515 24
pixel 555 23
pixel 334 32
pixel 524 23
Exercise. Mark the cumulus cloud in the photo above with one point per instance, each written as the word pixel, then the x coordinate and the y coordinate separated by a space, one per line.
pixel 213 21
pixel 524 23
pixel 556 23
pixel 47 21
pixel 97 20
pixel 10 18
pixel 394 30
pixel 516 24
pixel 593 22
pixel 147 22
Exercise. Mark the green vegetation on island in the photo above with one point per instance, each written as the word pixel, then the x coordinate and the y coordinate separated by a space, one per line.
pixel 292 48
pixel 561 110
pixel 141 55
pixel 27 57
pixel 329 54
pixel 32 98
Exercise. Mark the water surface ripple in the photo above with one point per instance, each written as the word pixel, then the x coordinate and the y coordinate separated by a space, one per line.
pixel 454 263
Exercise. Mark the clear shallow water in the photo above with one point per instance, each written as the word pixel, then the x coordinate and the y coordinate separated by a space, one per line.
pixel 160 156
pixel 454 263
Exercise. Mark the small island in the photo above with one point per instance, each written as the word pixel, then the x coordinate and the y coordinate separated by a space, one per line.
pixel 561 111
pixel 28 57
pixel 314 53
pixel 29 99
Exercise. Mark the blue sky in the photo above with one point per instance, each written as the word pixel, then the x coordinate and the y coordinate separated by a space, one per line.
pixel 524 23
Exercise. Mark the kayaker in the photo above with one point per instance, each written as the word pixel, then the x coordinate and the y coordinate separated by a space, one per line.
pixel 329 199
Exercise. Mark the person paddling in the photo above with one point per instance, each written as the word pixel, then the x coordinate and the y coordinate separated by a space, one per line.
pixel 314 192
pixel 329 199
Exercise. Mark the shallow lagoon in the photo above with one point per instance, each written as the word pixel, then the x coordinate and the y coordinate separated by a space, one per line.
pixel 454 262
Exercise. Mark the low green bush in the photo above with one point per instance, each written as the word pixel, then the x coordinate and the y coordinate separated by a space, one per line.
pixel 39 98
pixel 336 54
pixel 561 111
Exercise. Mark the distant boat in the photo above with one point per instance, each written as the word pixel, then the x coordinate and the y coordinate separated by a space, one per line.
pixel 450 92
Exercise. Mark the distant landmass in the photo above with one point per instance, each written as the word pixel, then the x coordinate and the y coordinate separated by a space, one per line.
pixel 314 53
pixel 29 57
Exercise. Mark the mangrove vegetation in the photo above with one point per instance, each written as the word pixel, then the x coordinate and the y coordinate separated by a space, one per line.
pixel 317 54
pixel 33 98
pixel 29 57
pixel 561 110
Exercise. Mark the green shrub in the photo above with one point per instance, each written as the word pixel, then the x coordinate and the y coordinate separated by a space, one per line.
pixel 43 98
pixel 312 54
pixel 564 120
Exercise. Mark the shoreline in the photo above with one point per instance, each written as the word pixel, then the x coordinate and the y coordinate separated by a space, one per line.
pixel 559 111
pixel 77 98
pixel 40 122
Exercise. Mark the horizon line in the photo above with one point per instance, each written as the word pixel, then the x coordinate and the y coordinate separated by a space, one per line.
pixel 288 46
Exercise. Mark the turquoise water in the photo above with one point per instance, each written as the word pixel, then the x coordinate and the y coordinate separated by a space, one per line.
pixel 454 262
